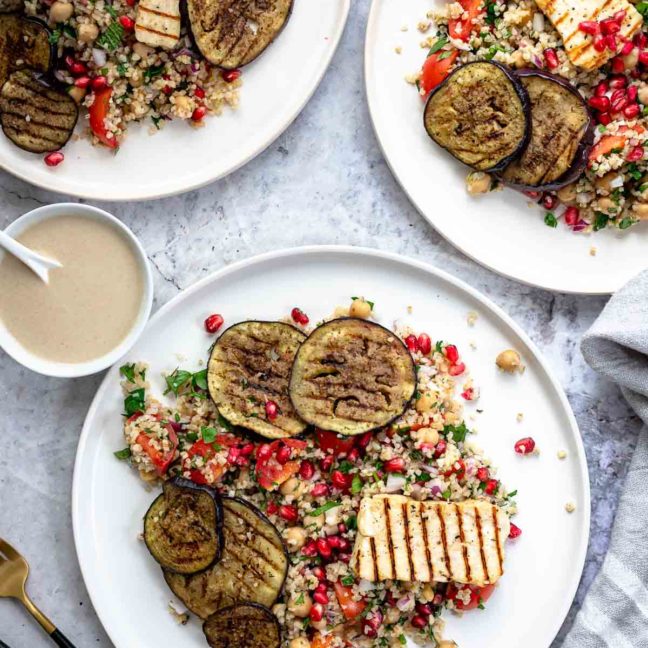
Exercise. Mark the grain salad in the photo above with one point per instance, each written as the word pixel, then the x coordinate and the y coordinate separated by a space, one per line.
pixel 611 190
pixel 311 486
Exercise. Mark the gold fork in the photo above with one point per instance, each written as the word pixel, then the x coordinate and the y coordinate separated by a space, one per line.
pixel 13 576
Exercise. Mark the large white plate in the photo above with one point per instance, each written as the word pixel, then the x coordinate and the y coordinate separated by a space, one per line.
pixel 499 230
pixel 543 566
pixel 275 89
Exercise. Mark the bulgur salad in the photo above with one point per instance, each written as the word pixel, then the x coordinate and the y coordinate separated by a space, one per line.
pixel 359 530
pixel 122 61
pixel 579 72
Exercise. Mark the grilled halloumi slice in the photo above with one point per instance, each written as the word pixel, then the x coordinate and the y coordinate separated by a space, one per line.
pixel 158 23
pixel 402 539
pixel 566 16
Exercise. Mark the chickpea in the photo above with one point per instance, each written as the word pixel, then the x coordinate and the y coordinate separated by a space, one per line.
pixel 642 94
pixel 427 435
pixel 77 93
pixel 518 59
pixel 604 184
pixel 640 210
pixel 509 361
pixel 427 593
pixel 300 606
pixel 295 538
pixel 360 308
pixel 606 205
pixel 341 311
pixel 630 60
pixel 290 486
pixel 60 12
pixel 567 194
pixel 299 642
pixel 183 104
pixel 392 615
pixel 87 32
pixel 142 50
pixel 478 182
pixel 317 521
pixel 425 403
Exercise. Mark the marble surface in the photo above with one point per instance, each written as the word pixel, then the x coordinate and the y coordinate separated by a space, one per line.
pixel 323 181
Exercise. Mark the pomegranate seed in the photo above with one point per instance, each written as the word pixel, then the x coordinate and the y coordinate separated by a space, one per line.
pixel 424 343
pixel 370 626
pixel 99 83
pixel 365 439
pixel 571 216
pixel 640 40
pixel 412 343
pixel 82 82
pixel 342 528
pixel 396 465
pixel 339 480
pixel 631 111
pixel 633 91
pixel 483 474
pixel 589 27
pixel 127 23
pixel 233 455
pixel 130 3
pixel 628 46
pixel 525 446
pixel 515 531
pixel 283 453
pixel 310 549
pixel 316 613
pixel 469 394
pixel 368 631
pixel 213 323
pixel 344 545
pixel 319 573
pixel 326 463
pixel 458 468
pixel 320 597
pixel 440 448
pixel 551 58
pixel 491 486
pixel 618 103
pixel 344 557
pixel 599 43
pixel 601 88
pixel 636 154
pixel 424 609
pixel 299 317
pixel 604 118
pixel 549 201
pixel 618 65
pixel 419 622
pixel 334 541
pixel 609 26
pixel 320 490
pixel 619 16
pixel 54 159
pixel 199 92
pixel 598 103
pixel 452 353
pixel 306 470
pixel 199 113
pixel 643 58
pixel 534 195
pixel 323 548
pixel 272 508
pixel 230 75
pixel 353 455
pixel 288 513
pixel 247 449
pixel 611 42
pixel 617 82
pixel 167 90
pixel 271 410
pixel 390 599
pixel 264 451
pixel 457 370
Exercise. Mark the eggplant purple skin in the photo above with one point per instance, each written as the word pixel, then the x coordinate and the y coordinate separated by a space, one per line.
pixel 521 93
pixel 49 74
pixel 579 163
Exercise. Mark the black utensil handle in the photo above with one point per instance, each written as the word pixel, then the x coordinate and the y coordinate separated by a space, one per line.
pixel 61 640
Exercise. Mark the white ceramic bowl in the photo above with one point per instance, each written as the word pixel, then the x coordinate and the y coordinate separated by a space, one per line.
pixel 74 370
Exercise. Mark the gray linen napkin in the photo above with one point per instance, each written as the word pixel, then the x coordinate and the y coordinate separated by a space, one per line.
pixel 615 610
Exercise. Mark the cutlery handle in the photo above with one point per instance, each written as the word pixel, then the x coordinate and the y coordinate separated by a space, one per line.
pixel 61 640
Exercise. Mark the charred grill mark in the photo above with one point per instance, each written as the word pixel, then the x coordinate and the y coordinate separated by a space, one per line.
pixel 497 540
pixel 407 542
pixel 480 537
pixel 444 541
pixel 426 542
pixel 462 538
pixel 390 545
pixel 156 12
pixel 156 32
pixel 374 559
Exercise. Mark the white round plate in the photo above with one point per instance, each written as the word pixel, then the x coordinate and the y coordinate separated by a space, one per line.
pixel 543 567
pixel 276 87
pixel 498 230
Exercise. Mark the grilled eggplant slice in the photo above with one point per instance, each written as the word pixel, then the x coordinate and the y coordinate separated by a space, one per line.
pixel 351 376
pixel 232 33
pixel 562 133
pixel 24 43
pixel 479 114
pixel 34 116
pixel 250 365
pixel 253 566
pixel 247 625
pixel 183 527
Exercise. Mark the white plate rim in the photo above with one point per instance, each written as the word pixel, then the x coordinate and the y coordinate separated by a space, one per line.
pixel 207 178
pixel 371 28
pixel 77 486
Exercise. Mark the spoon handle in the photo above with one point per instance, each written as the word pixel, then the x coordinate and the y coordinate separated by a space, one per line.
pixel 61 640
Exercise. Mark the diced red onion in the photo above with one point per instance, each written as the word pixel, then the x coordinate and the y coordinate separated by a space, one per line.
pixel 395 483
pixel 580 226
pixel 436 490
pixel 405 603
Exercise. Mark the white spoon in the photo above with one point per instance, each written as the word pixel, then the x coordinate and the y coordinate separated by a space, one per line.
pixel 38 263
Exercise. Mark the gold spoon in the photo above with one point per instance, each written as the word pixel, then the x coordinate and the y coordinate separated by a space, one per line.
pixel 13 576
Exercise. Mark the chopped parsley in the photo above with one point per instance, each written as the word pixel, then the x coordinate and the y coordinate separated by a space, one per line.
pixel 134 402
pixel 438 44
pixel 112 37
pixel 347 581
pixel 600 221
pixel 356 485
pixel 550 220
pixel 444 55
pixel 300 599
pixel 438 347
pixel 491 13
pixel 54 36
pixel 371 304
pixel 351 523
pixel 446 494
pixel 152 72
pixel 324 508
pixel 208 434
pixel 180 379
pixel 345 466
pixel 492 50
pixel 626 222
pixel 123 455
pixel 128 371
pixel 458 432
pixel 633 171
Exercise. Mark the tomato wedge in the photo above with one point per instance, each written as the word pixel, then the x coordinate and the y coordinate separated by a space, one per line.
pixel 98 113
pixel 351 608
pixel 331 442
pixel 208 451
pixel 478 595
pixel 435 69
pixel 461 28
pixel 270 473
pixel 161 460
pixel 606 145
